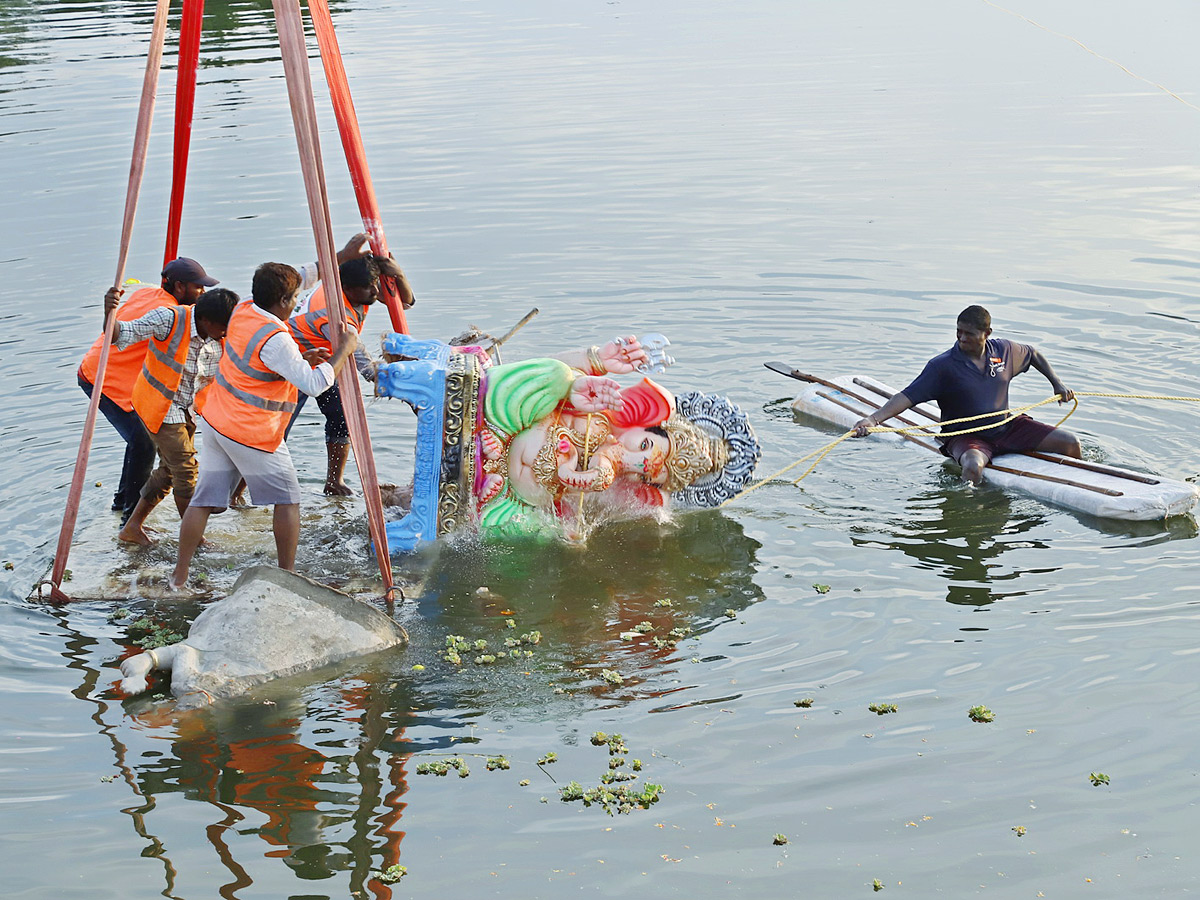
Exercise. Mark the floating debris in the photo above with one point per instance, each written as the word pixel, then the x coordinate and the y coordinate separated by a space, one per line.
pixel 882 709
pixel 390 875
pixel 1098 778
pixel 731 613
pixel 663 603
pixel 981 714
pixel 524 782
pixel 108 779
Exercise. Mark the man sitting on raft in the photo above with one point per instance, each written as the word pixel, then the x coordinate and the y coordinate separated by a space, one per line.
pixel 971 379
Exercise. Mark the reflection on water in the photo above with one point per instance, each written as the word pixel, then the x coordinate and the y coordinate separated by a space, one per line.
pixel 960 532
pixel 314 771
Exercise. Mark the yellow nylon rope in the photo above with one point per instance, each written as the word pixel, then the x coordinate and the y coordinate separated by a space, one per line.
pixel 1012 413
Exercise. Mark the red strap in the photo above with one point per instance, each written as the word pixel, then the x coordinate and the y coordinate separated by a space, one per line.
pixel 137 167
pixel 304 117
pixel 185 104
pixel 356 156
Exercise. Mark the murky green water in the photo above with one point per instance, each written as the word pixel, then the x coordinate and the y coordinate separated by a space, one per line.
pixel 826 184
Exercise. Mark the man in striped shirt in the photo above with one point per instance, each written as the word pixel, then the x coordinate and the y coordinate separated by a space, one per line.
pixel 174 434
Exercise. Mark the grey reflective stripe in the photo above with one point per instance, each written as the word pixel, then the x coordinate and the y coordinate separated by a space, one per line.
pixel 299 336
pixel 167 358
pixel 243 363
pixel 253 399
pixel 157 385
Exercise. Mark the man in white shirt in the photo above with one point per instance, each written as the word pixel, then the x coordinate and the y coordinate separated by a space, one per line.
pixel 247 408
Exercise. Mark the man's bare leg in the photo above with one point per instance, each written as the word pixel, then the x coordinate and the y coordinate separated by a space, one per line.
pixel 286 525
pixel 335 486
pixel 191 533
pixel 1059 441
pixel 133 531
pixel 973 463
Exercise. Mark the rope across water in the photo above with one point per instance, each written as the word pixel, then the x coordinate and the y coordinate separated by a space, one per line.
pixel 821 452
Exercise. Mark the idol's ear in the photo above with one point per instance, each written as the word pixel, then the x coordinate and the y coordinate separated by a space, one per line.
pixel 643 405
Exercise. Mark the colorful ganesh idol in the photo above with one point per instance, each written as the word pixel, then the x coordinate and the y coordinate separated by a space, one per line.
pixel 547 447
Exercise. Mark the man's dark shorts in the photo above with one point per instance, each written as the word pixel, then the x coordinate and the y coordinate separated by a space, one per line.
pixel 1022 433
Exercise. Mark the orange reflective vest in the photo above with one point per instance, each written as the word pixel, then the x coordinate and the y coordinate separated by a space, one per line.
pixel 156 384
pixel 124 366
pixel 310 328
pixel 247 402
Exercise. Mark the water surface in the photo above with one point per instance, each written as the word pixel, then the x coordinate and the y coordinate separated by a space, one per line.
pixel 826 184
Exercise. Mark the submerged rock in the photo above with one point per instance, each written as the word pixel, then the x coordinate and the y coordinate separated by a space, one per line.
pixel 273 623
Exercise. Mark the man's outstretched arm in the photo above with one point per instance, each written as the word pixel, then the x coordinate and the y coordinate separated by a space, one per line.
pixel 898 404
pixel 1037 361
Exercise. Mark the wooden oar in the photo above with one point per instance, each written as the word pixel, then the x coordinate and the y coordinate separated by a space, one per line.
pixel 787 370
pixel 1060 460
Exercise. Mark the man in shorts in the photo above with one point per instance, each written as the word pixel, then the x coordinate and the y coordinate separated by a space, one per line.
pixel 246 410
pixel 970 379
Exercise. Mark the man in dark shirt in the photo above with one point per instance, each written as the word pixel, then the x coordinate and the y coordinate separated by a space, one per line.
pixel 971 378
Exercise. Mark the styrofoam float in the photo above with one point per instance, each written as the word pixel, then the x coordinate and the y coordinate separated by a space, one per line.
pixel 1099 490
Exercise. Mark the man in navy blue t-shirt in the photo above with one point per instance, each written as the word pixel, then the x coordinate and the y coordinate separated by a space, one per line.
pixel 971 378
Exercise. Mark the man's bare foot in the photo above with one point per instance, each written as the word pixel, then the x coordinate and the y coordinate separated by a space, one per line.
pixel 338 489
pixel 134 534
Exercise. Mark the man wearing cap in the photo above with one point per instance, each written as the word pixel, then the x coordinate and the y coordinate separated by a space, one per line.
pixel 183 280
pixel 311 327
pixel 184 349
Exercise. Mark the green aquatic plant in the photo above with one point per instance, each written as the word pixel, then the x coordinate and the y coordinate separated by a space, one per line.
pixel 779 840
pixel 804 702
pixel 1019 830
pixel 731 613
pixel 390 875
pixel 1098 778
pixel 821 588
pixel 549 758
pixel 496 762
pixel 612 676
pixel 153 634
pixel 663 603
pixel 644 627
pixel 981 714
pixel 877 885
pixel 882 709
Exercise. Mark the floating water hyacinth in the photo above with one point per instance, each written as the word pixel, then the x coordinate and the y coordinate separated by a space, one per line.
pixel 882 709
pixel 981 714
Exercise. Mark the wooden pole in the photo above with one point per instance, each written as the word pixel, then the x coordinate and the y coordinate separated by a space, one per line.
pixel 137 166
pixel 304 117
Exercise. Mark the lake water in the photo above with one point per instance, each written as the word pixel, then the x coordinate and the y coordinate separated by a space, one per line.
pixel 822 183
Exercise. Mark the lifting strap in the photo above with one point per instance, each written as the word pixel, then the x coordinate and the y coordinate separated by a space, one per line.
pixel 356 156
pixel 304 116
pixel 185 102
pixel 137 167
